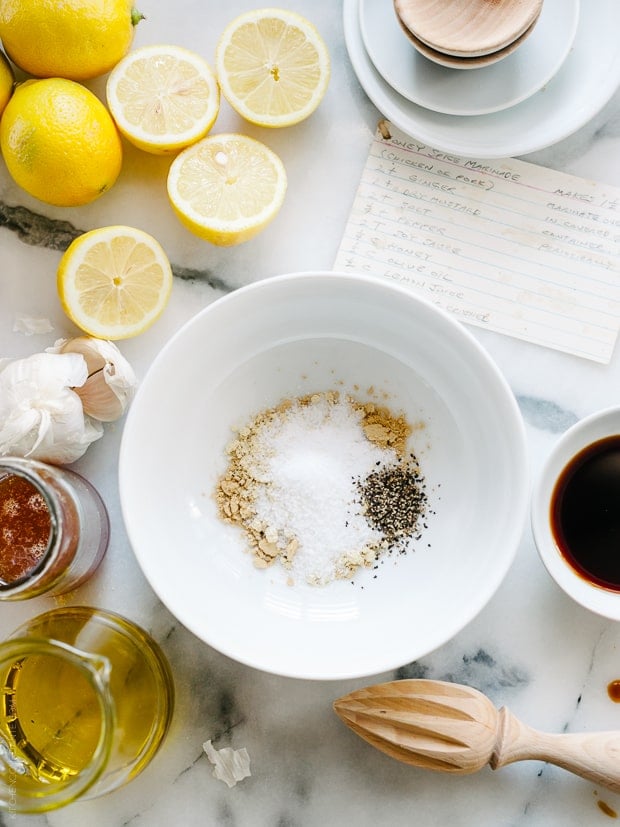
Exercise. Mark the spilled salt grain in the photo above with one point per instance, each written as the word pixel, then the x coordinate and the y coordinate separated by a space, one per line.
pixel 229 765
pixel 31 325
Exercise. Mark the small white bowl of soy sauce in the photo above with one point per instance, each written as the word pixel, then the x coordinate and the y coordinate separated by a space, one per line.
pixel 576 513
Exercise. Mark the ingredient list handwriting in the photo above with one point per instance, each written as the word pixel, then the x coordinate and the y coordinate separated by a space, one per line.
pixel 505 245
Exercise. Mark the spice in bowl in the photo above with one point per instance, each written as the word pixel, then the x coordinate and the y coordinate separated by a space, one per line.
pixel 325 485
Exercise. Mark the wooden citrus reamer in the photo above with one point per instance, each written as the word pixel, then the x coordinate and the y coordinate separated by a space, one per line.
pixel 454 728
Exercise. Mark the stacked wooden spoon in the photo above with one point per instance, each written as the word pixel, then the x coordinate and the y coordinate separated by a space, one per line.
pixel 467 34
pixel 454 728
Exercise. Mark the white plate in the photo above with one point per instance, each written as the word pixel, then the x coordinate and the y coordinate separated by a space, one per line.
pixel 585 82
pixel 475 91
pixel 285 337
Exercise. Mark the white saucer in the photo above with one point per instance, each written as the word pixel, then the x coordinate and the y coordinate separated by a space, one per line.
pixel 583 85
pixel 475 91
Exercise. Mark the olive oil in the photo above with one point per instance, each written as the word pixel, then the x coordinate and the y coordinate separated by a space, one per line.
pixel 81 688
pixel 52 716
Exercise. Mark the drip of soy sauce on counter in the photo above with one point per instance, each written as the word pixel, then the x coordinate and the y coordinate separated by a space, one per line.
pixel 585 513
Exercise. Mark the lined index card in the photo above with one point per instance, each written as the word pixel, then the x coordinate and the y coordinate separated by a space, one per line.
pixel 505 245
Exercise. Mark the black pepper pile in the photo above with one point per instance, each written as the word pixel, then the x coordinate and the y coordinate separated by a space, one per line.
pixel 393 500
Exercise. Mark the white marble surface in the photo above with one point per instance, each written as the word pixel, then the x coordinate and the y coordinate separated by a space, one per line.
pixel 531 648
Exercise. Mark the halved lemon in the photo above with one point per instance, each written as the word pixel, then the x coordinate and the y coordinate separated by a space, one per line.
pixel 163 98
pixel 273 66
pixel 114 282
pixel 226 188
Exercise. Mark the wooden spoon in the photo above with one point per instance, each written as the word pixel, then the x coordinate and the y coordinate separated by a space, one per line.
pixel 467 28
pixel 454 728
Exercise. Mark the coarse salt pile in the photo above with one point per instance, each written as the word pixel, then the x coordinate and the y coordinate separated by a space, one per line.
pixel 295 480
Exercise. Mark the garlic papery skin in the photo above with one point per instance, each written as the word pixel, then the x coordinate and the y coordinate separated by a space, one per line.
pixel 111 381
pixel 41 416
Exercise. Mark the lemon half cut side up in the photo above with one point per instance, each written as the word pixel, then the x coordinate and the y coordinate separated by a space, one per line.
pixel 114 282
pixel 227 188
pixel 273 67
pixel 163 98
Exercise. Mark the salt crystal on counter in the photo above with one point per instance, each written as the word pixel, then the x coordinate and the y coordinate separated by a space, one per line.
pixel 229 765
pixel 31 325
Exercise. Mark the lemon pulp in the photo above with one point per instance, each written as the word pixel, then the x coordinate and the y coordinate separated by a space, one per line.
pixel 114 282
pixel 163 98
pixel 227 188
pixel 273 67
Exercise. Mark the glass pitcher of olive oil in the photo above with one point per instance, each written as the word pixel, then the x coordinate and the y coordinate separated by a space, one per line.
pixel 87 698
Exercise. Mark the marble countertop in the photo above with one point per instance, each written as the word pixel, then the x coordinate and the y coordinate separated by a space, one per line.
pixel 531 648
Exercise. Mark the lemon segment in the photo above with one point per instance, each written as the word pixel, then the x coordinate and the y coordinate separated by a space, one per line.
pixel 163 98
pixel 273 67
pixel 74 39
pixel 114 282
pixel 226 188
pixel 7 80
pixel 59 142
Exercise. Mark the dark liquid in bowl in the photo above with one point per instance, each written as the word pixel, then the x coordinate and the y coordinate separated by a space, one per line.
pixel 585 513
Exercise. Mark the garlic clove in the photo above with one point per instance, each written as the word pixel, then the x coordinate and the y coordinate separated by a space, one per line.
pixel 85 345
pixel 111 381
pixel 99 399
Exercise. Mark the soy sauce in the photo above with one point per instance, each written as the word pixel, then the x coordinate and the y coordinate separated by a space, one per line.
pixel 585 513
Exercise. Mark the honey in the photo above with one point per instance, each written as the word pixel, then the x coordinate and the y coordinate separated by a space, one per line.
pixel 25 527
pixel 54 529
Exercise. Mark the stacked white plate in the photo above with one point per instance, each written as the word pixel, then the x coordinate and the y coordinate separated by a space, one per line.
pixel 557 80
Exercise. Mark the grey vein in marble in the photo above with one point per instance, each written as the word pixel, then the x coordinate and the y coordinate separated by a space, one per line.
pixel 480 670
pixel 545 414
pixel 38 230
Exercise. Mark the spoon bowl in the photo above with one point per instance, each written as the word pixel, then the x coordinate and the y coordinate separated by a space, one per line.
pixel 467 28
pixel 467 61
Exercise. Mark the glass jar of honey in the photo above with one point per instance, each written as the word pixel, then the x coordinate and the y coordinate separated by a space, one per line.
pixel 54 529
pixel 87 700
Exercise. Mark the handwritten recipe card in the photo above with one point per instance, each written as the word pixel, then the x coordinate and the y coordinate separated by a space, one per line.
pixel 505 245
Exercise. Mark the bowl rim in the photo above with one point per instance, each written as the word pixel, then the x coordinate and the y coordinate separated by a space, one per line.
pixel 514 531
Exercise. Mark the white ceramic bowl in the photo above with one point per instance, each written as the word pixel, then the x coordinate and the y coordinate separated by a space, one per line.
pixel 594 427
pixel 285 337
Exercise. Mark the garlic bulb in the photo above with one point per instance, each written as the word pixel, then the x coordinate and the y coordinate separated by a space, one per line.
pixel 111 381
pixel 40 415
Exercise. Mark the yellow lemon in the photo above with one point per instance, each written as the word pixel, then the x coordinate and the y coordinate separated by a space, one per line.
pixel 273 66
pixel 7 80
pixel 59 142
pixel 163 98
pixel 114 282
pixel 75 39
pixel 226 188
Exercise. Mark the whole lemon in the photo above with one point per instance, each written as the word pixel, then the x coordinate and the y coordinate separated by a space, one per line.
pixel 59 142
pixel 75 39
pixel 7 79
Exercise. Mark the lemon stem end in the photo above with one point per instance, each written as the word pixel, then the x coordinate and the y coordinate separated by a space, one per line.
pixel 136 17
